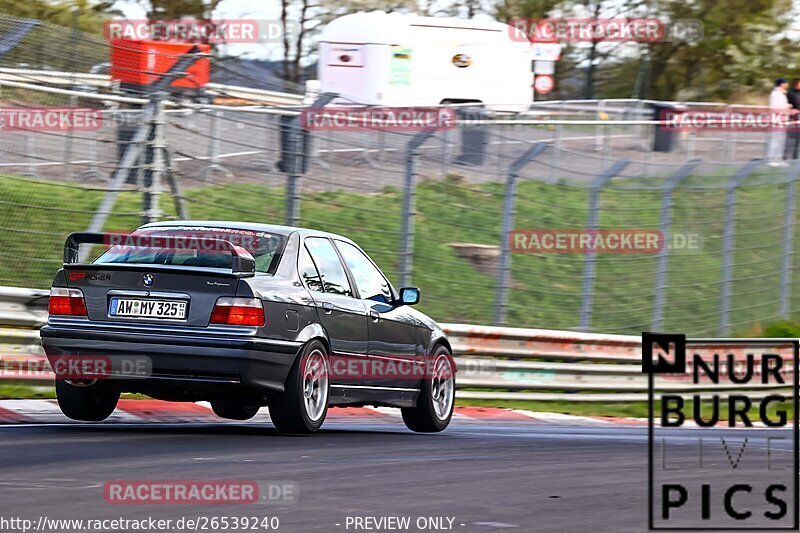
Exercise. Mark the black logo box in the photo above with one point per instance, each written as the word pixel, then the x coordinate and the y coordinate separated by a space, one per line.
pixel 675 345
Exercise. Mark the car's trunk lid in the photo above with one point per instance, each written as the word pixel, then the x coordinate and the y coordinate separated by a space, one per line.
pixel 153 294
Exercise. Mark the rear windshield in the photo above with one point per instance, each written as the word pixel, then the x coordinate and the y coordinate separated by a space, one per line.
pixel 197 247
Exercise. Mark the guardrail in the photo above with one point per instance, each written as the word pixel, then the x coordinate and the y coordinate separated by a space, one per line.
pixel 104 81
pixel 22 313
pixel 547 365
pixel 494 363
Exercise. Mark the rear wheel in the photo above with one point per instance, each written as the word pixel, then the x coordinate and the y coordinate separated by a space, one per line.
pixel 304 404
pixel 85 402
pixel 234 410
pixel 434 407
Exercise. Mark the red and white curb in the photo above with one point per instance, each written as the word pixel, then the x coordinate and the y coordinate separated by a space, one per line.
pixel 150 411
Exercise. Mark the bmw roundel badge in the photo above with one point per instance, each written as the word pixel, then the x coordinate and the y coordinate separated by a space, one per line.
pixel 148 279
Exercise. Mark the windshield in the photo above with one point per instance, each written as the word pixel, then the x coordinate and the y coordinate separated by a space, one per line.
pixel 196 247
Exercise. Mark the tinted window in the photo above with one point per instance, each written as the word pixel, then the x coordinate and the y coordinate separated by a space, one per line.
pixel 327 260
pixel 369 280
pixel 196 246
pixel 308 271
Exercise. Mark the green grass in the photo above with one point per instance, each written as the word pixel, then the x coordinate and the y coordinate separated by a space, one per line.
pixel 27 392
pixel 19 392
pixel 617 409
pixel 620 409
pixel 37 216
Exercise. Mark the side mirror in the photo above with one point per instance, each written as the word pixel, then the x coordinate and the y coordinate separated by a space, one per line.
pixel 409 295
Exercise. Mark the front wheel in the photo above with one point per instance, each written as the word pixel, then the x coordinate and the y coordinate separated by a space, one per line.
pixel 436 400
pixel 304 404
pixel 86 402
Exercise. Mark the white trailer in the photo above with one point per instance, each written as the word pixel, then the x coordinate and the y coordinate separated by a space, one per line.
pixel 395 59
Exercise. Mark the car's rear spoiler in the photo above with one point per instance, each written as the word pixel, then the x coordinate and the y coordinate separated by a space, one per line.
pixel 243 264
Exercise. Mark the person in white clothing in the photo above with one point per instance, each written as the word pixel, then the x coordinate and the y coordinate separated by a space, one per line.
pixel 776 139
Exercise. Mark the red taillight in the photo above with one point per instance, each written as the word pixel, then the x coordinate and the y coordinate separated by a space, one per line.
pixel 238 312
pixel 66 302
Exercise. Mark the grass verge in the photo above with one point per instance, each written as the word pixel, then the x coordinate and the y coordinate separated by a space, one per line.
pixel 620 410
pixel 546 287
pixel 617 409
pixel 27 392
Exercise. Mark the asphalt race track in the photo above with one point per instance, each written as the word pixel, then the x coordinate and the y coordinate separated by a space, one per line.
pixel 498 476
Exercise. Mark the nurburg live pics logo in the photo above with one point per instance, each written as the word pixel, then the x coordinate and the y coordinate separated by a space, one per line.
pixel 722 433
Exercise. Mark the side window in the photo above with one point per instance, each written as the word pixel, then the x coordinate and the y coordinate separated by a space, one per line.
pixel 369 280
pixel 308 271
pixel 332 272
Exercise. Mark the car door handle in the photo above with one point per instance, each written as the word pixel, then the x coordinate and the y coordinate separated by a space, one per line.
pixel 374 315
pixel 327 307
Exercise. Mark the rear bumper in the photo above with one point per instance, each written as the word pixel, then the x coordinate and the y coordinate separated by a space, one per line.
pixel 185 361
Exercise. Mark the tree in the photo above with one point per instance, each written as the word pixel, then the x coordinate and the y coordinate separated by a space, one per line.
pixel 81 15
pixel 294 42
pixel 743 46
pixel 596 51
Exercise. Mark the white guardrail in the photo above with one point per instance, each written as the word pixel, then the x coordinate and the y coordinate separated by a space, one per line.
pixel 493 363
pixel 104 81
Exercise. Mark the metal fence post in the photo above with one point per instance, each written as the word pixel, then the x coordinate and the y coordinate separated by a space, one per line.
pixel 555 156
pixel 174 184
pixel 727 146
pixel 292 178
pixel 599 135
pixel 132 153
pixel 68 142
pixel 666 230
pixel 294 165
pixel 262 160
pixel 727 243
pixel 504 271
pixel 589 265
pixel 134 149
pixel 152 179
pixel 649 139
pixel 30 151
pixel 93 171
pixel 640 129
pixel 788 241
pixel 447 152
pixel 690 145
pixel 215 128
pixel 409 207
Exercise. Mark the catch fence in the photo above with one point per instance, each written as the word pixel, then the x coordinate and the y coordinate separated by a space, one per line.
pixel 434 208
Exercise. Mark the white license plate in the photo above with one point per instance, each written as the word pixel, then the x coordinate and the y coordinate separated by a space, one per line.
pixel 170 309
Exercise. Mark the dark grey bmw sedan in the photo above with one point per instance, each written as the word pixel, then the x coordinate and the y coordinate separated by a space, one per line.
pixel 243 316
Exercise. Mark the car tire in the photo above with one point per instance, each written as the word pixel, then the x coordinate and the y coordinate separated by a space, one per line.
pixel 436 399
pixel 304 404
pixel 234 410
pixel 86 403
